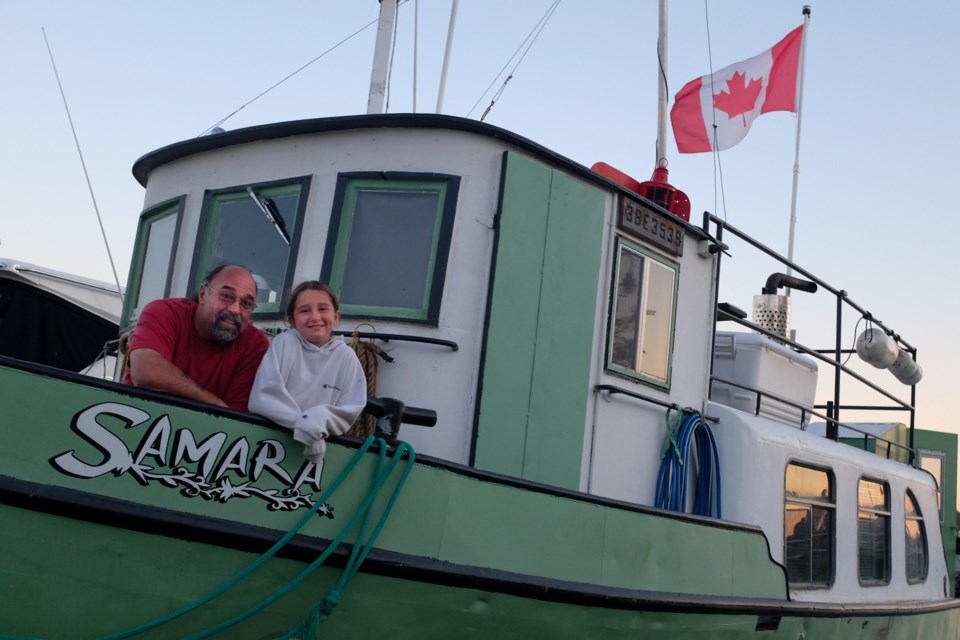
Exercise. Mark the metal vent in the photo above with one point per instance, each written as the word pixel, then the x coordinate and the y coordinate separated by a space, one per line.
pixel 772 312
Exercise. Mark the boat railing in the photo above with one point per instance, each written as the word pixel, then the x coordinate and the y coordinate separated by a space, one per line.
pixel 387 337
pixel 613 389
pixel 843 302
pixel 832 425
pixel 819 355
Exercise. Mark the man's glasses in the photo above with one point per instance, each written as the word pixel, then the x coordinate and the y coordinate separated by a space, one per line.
pixel 247 305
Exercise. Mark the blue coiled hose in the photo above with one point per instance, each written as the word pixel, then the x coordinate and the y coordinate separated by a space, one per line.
pixel 672 479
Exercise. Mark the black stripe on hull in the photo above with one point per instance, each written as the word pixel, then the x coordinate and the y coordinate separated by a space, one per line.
pixel 69 503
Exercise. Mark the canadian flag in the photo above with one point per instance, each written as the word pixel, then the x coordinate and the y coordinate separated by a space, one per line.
pixel 733 97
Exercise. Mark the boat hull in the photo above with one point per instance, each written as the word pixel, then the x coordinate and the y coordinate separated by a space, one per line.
pixel 121 507
pixel 96 580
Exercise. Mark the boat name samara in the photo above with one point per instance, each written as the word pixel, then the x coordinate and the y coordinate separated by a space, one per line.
pixel 199 469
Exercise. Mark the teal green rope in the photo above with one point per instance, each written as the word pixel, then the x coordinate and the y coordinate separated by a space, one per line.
pixel 379 479
pixel 673 425
pixel 309 627
pixel 256 564
pixel 263 558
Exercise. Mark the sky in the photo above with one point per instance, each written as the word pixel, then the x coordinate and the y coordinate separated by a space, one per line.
pixel 877 146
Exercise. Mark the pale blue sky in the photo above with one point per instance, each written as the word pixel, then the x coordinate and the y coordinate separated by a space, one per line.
pixel 876 209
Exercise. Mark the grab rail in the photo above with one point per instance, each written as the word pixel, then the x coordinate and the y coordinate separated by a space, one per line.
pixel 387 337
pixel 609 388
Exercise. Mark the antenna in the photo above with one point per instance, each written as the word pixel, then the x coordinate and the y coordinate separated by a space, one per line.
pixel 84 165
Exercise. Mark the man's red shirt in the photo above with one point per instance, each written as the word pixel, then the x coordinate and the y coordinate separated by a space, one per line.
pixel 225 369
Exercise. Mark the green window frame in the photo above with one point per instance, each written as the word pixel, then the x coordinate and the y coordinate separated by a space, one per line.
pixel 388 245
pixel 642 319
pixel 809 526
pixel 257 226
pixel 916 555
pixel 873 532
pixel 154 250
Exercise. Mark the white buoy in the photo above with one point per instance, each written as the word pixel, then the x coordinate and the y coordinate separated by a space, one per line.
pixel 906 369
pixel 877 348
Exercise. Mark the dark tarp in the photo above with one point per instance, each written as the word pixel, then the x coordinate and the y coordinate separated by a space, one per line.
pixel 39 327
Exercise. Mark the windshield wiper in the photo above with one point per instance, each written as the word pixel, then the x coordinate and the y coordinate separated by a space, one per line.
pixel 270 209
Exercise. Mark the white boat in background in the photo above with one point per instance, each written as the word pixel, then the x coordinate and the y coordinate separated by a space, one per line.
pixel 58 319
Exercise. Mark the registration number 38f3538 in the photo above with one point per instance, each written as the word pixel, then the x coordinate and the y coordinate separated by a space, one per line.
pixel 651 226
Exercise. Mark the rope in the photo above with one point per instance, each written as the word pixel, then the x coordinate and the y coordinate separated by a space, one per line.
pixel 308 628
pixel 672 478
pixel 673 425
pixel 123 348
pixel 360 549
pixel 534 34
pixel 367 353
pixel 359 553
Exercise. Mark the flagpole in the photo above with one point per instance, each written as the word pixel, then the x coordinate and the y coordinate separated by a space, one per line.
pixel 796 160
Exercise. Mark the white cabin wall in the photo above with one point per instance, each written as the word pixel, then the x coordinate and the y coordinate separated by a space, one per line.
pixel 754 453
pixel 423 375
pixel 594 398
pixel 627 434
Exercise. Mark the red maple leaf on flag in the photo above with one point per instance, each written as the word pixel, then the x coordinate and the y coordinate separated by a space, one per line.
pixel 739 98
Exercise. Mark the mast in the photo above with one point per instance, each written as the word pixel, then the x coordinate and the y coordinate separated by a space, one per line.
pixel 416 39
pixel 662 87
pixel 382 53
pixel 446 55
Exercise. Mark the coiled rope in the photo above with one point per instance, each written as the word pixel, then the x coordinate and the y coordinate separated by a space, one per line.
pixel 671 494
pixel 123 349
pixel 367 353
pixel 361 548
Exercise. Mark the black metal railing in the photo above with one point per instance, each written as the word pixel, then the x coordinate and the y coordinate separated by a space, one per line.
pixel 841 372
pixel 609 388
pixel 387 337
pixel 832 425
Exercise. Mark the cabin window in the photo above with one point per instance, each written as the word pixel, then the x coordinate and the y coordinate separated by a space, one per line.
pixel 641 333
pixel 153 253
pixel 255 226
pixel 916 540
pixel 388 244
pixel 873 532
pixel 809 526
pixel 935 463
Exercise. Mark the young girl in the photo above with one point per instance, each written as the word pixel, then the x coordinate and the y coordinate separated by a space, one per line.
pixel 309 380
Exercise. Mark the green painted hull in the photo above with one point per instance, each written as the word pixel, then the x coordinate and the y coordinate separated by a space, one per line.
pixel 94 542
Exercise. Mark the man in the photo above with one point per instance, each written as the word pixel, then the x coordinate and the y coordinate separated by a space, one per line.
pixel 206 349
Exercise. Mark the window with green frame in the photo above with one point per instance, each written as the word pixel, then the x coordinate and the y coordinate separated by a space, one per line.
pixel 256 226
pixel 388 244
pixel 153 252
pixel 642 317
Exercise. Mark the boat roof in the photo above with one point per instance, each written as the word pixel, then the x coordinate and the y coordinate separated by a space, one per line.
pixel 99 298
pixel 150 161
pixel 178 150
pixel 868 428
